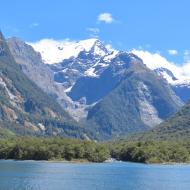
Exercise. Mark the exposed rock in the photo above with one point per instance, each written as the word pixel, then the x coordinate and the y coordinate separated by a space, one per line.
pixel 148 113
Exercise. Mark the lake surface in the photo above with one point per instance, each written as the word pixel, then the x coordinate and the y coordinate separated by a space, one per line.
pixel 30 175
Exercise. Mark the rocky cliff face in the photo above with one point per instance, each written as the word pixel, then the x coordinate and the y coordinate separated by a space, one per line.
pixel 31 64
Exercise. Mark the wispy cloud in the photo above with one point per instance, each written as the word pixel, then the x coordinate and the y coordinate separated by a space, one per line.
pixel 155 60
pixel 172 52
pixel 106 18
pixel 186 55
pixel 34 24
pixel 94 32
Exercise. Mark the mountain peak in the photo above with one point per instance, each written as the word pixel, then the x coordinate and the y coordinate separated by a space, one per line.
pixel 1 35
pixel 2 42
pixel 22 52
pixel 88 43
pixel 55 51
pixel 5 54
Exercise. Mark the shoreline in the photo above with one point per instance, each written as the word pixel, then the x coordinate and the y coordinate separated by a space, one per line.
pixel 83 161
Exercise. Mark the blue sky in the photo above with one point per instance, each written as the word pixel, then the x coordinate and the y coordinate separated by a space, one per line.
pixel 160 25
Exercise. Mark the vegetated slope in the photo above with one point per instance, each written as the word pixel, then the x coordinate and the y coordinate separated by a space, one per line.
pixel 152 151
pixel 25 108
pixel 176 127
pixel 138 101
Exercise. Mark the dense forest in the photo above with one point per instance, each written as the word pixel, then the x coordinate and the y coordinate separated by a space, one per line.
pixel 59 148
pixel 30 148
pixel 170 151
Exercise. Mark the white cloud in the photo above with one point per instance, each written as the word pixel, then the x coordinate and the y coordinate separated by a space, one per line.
pixel 187 52
pixel 94 32
pixel 106 17
pixel 186 69
pixel 34 24
pixel 155 60
pixel 172 52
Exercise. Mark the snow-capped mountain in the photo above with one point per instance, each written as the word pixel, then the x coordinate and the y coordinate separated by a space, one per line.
pixel 178 76
pixel 102 87
pixel 172 78
pixel 76 59
pixel 56 52
pixel 174 74
pixel 71 60
pixel 53 51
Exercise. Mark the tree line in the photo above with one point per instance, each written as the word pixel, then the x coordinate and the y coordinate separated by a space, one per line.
pixel 55 148
pixel 59 148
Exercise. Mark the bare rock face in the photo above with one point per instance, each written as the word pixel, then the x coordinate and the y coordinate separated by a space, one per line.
pixel 148 113
pixel 23 53
pixel 31 64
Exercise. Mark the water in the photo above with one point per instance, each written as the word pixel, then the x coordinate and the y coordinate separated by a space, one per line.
pixel 30 175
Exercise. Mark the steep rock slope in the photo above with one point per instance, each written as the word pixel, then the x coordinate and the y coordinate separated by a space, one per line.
pixel 58 78
pixel 32 65
pixel 25 108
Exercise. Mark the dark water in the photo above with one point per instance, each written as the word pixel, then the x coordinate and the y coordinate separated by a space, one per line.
pixel 29 175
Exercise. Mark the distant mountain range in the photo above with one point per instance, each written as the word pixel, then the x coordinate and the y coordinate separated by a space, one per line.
pixel 103 54
pixel 87 90
pixel 109 92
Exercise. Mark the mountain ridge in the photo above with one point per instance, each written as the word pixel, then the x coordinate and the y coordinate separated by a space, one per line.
pixel 107 48
pixel 24 107
pixel 88 80
pixel 141 101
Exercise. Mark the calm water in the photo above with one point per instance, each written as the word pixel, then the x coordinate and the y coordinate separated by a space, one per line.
pixel 29 175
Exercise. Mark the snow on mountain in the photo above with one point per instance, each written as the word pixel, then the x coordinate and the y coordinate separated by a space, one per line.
pixel 174 74
pixel 71 60
pixel 91 72
pixel 55 51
